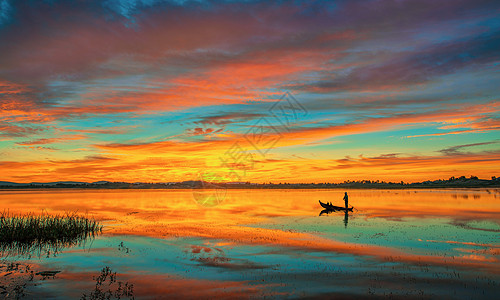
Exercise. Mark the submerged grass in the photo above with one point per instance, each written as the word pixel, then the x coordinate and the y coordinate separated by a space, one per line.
pixel 24 234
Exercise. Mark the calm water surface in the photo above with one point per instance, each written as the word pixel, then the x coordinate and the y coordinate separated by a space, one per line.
pixel 418 244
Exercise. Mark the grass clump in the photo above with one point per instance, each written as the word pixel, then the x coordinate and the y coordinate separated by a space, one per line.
pixel 23 234
pixel 109 291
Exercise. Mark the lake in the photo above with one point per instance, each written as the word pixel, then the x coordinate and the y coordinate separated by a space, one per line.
pixel 417 244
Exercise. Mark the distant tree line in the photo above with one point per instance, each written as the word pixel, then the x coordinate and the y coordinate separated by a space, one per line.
pixel 452 182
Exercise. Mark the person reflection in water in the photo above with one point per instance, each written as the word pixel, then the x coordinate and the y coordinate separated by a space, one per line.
pixel 346 200
pixel 346 219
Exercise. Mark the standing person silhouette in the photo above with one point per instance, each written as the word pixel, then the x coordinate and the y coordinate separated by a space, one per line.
pixel 346 199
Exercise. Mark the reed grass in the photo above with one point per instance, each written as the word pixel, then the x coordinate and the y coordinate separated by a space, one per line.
pixel 23 234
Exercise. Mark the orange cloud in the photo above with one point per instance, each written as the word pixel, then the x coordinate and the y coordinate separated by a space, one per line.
pixel 176 160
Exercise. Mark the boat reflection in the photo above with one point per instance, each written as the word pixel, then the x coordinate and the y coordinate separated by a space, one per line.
pixel 329 211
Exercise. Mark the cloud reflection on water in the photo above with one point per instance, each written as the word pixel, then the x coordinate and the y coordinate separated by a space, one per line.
pixel 272 242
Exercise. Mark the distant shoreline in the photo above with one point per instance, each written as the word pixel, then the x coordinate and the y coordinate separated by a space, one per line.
pixel 243 188
pixel 452 183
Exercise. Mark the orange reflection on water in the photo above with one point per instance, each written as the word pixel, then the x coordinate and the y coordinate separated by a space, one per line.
pixel 252 205
pixel 175 213
pixel 152 285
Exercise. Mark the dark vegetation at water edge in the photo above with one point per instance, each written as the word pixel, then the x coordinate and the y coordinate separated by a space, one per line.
pixel 453 182
pixel 36 234
pixel 106 287
pixel 31 235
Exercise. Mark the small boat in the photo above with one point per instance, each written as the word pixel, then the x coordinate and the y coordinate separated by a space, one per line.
pixel 333 207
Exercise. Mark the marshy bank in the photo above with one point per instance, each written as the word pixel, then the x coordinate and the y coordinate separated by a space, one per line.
pixel 28 234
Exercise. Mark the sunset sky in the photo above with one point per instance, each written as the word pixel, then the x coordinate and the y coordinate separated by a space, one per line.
pixel 280 91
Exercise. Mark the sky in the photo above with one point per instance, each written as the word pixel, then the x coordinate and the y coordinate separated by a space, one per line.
pixel 258 91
